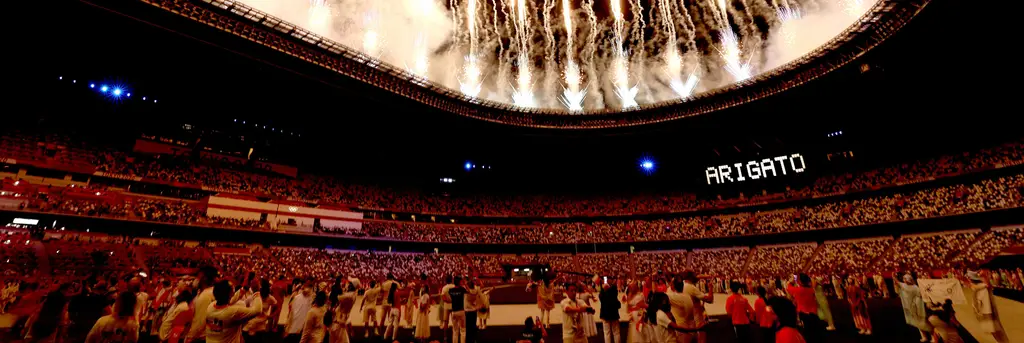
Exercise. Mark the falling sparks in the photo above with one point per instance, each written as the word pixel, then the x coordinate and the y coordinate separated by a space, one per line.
pixel 730 52
pixel 853 8
pixel 420 60
pixel 788 16
pixel 319 16
pixel 470 81
pixel 674 68
pixel 620 76
pixel 572 95
pixel 514 51
pixel 522 94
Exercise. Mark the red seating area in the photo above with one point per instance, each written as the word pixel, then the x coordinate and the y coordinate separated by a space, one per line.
pixel 17 255
pixel 80 255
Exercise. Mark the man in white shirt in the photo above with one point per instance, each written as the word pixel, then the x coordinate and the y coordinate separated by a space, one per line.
pixel 446 306
pixel 988 317
pixel 298 308
pixel 698 298
pixel 682 309
pixel 197 332
pixel 369 308
pixel 386 304
pixel 572 317
pixel 223 320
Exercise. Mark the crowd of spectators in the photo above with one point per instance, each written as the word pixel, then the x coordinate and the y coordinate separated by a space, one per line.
pixel 999 193
pixel 848 257
pixel 990 244
pixel 990 194
pixel 16 255
pixel 926 252
pixel 230 177
pixel 778 261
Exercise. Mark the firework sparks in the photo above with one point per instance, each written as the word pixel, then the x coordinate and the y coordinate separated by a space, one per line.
pixel 788 16
pixel 730 52
pixel 470 81
pixel 319 16
pixel 853 8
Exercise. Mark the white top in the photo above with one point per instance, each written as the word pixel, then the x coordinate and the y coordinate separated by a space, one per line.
pixel 224 323
pixel 114 330
pixel 444 290
pixel 472 299
pixel 314 328
pixel 168 323
pixel 571 325
pixel 682 308
pixel 298 308
pixel 662 333
pixel 201 303
pixel 140 303
pixel 983 302
pixel 370 297
pixel 259 323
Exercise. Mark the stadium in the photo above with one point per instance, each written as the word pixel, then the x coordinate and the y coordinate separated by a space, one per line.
pixel 421 171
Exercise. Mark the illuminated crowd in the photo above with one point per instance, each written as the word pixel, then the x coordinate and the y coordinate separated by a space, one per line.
pixel 228 177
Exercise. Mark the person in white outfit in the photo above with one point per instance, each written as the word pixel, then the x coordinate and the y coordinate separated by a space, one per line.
pixel 224 320
pixel 314 329
pixel 119 327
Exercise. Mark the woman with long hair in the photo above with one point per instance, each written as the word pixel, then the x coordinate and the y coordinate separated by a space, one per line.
pixel 177 316
pixel 342 305
pixel 913 307
pixel 545 299
pixel 314 329
pixel 636 306
pixel 659 317
pixel 45 324
pixel 857 297
pixel 423 314
pixel 118 327
pixel 824 310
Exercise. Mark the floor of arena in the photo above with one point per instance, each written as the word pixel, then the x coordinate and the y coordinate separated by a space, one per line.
pixel 506 322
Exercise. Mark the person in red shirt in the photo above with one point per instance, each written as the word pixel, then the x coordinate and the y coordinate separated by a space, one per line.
pixel 764 316
pixel 806 307
pixel 739 310
pixel 786 313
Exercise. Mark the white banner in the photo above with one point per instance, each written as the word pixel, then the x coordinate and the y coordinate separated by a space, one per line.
pixel 938 290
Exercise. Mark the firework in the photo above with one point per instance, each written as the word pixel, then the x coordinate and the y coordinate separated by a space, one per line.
pixel 470 81
pixel 730 52
pixel 319 16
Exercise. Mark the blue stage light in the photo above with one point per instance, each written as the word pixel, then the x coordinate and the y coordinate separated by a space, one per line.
pixel 468 166
pixel 92 85
pixel 103 88
pixel 647 165
pixel 117 92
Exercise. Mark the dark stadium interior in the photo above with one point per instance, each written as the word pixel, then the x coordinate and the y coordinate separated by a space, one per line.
pixel 227 156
